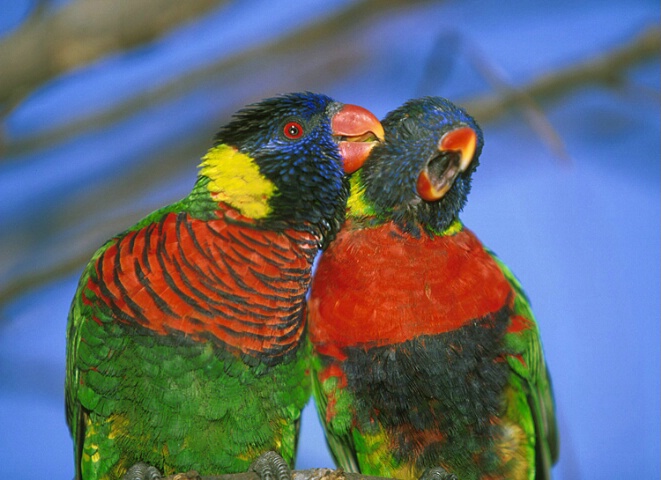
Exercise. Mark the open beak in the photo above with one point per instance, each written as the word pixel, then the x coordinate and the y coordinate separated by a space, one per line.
pixel 455 153
pixel 357 131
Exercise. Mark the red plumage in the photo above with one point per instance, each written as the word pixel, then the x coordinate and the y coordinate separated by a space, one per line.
pixel 426 285
pixel 204 278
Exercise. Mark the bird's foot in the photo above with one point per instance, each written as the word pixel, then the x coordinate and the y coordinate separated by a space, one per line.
pixel 271 466
pixel 437 473
pixel 142 471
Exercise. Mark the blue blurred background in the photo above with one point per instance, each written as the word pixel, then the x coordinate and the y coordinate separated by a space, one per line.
pixel 567 192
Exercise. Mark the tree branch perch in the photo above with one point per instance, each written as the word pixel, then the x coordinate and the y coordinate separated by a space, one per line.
pixel 309 474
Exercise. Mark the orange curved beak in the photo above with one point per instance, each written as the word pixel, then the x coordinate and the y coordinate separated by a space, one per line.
pixel 357 131
pixel 440 172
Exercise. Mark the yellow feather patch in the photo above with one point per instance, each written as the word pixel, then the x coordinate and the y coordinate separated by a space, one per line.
pixel 356 202
pixel 235 179
pixel 118 425
pixel 515 445
pixel 455 227
pixel 90 449
pixel 374 453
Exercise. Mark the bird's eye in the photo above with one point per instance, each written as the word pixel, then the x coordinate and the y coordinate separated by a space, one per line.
pixel 293 130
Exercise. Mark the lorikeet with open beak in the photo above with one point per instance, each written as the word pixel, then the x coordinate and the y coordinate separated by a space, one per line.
pixel 427 358
pixel 185 346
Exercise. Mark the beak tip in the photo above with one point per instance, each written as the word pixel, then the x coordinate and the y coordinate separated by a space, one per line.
pixel 462 139
pixel 356 124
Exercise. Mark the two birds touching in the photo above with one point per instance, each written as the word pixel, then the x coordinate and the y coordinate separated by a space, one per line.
pixel 197 336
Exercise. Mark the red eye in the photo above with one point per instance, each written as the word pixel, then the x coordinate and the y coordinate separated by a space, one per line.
pixel 293 130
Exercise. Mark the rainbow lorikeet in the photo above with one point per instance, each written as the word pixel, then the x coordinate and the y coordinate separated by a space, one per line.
pixel 185 346
pixel 427 358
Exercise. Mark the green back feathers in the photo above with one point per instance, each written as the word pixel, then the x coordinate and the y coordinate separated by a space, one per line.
pixel 156 418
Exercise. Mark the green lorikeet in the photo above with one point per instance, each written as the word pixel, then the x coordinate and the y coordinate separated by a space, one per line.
pixel 185 342
pixel 427 358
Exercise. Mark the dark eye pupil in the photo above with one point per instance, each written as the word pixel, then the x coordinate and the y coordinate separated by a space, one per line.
pixel 293 130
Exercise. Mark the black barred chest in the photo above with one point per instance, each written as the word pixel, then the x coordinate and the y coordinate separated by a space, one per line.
pixel 436 397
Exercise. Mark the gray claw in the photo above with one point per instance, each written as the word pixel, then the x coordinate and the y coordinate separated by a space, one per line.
pixel 437 473
pixel 271 466
pixel 142 471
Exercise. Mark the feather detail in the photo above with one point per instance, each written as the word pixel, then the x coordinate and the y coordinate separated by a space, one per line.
pixel 209 280
pixel 457 282
pixel 235 179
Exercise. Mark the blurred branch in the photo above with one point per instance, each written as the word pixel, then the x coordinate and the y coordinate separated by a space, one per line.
pixel 66 220
pixel 83 31
pixel 77 228
pixel 607 69
pixel 322 32
pixel 27 282
pixel 523 99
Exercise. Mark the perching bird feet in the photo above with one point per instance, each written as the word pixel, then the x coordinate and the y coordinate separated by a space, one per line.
pixel 271 466
pixel 142 471
pixel 437 473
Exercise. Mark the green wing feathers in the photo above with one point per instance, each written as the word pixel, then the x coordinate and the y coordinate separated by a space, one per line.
pixel 528 362
pixel 195 401
pixel 338 429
